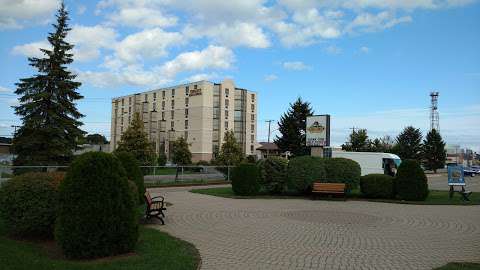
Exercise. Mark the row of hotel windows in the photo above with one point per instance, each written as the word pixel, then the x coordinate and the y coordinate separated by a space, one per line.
pixel 227 91
pixel 154 106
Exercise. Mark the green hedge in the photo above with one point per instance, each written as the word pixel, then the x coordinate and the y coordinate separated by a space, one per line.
pixel 97 215
pixel 411 181
pixel 245 179
pixel 377 186
pixel 28 204
pixel 342 170
pixel 273 171
pixel 303 171
pixel 134 173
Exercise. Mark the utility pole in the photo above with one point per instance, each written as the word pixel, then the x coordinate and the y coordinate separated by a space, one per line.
pixel 268 140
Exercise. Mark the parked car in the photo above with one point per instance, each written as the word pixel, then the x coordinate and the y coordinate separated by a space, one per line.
pixel 476 168
pixel 469 172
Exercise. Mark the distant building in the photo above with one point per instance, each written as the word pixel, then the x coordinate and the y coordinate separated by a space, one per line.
pixel 84 148
pixel 5 148
pixel 266 149
pixel 200 112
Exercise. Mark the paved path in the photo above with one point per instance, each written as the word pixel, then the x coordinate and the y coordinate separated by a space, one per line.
pixel 305 234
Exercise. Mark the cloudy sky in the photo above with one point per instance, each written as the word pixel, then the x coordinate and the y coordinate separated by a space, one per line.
pixel 368 63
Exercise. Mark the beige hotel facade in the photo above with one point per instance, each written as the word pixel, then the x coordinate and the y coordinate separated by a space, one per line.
pixel 199 111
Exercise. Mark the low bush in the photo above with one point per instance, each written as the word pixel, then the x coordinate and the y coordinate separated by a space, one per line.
pixel 134 173
pixel 28 204
pixel 134 189
pixel 162 159
pixel 411 182
pixel 245 179
pixel 303 171
pixel 342 170
pixel 97 216
pixel 273 174
pixel 377 186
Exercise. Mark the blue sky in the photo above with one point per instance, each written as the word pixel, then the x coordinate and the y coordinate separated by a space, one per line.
pixel 369 64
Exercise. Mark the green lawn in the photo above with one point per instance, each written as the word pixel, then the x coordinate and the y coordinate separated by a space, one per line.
pixel 155 250
pixel 460 266
pixel 195 182
pixel 435 197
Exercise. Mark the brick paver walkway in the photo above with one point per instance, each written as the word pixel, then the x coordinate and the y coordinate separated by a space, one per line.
pixel 305 234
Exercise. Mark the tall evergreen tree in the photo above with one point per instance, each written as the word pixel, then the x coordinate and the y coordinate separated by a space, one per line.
pixel 434 153
pixel 135 140
pixel 358 142
pixel 409 144
pixel 231 152
pixel 292 127
pixel 47 109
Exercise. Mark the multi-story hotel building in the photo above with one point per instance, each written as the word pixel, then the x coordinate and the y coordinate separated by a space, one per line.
pixel 200 111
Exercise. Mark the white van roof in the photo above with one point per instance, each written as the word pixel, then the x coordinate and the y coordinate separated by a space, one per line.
pixel 378 154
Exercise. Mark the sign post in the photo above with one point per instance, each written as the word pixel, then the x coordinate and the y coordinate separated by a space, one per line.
pixel 318 133
pixel 455 178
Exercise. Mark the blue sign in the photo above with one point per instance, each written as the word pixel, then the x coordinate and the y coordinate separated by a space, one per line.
pixel 455 176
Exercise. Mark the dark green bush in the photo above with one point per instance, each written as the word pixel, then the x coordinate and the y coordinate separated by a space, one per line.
pixel 251 159
pixel 273 174
pixel 377 186
pixel 342 170
pixel 134 173
pixel 304 170
pixel 411 181
pixel 28 204
pixel 97 215
pixel 162 159
pixel 134 189
pixel 203 163
pixel 245 179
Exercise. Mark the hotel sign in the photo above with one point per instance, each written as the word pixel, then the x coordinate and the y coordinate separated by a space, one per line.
pixel 195 92
pixel 318 130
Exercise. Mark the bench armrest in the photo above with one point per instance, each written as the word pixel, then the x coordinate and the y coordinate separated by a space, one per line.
pixel 160 197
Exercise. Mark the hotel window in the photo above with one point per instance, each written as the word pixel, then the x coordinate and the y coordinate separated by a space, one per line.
pixel 253 117
pixel 186 113
pixel 227 91
pixel 172 125
pixel 216 112
pixel 163 94
pixel 252 137
pixel 121 129
pixel 146 97
pixel 173 92
pixel 163 105
pixel 163 116
pixel 253 97
pixel 186 124
pixel 195 86
pixel 216 125
pixel 121 122
pixel 123 110
pixel 129 110
pixel 185 135
pixel 226 125
pixel 186 101
pixel 226 103
pixel 123 101
pixel 172 114
pixel 154 105
pixel 253 107
pixel 226 114
pixel 252 128
pixel 173 104
pixel 130 101
pixel 251 148
pixel 154 95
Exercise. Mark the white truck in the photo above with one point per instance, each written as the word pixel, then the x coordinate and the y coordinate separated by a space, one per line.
pixel 372 162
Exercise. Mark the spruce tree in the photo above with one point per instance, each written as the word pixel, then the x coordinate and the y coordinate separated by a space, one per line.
pixel 230 153
pixel 135 140
pixel 434 153
pixel 50 125
pixel 409 144
pixel 358 142
pixel 292 127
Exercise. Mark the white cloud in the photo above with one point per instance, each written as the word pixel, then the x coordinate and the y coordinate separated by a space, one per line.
pixel 201 77
pixel 142 17
pixel 213 57
pixel 231 35
pixel 5 90
pixel 147 43
pixel 295 65
pixel 31 49
pixel 16 14
pixel 332 49
pixel 270 77
pixel 367 22
pixel 364 49
pixel 81 9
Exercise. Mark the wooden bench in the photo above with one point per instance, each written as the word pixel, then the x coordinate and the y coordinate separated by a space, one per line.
pixel 155 207
pixel 329 189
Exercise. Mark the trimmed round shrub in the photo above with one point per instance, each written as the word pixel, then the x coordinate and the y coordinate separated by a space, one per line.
pixel 303 171
pixel 134 173
pixel 133 188
pixel 28 204
pixel 245 179
pixel 411 181
pixel 97 215
pixel 377 186
pixel 342 170
pixel 274 174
